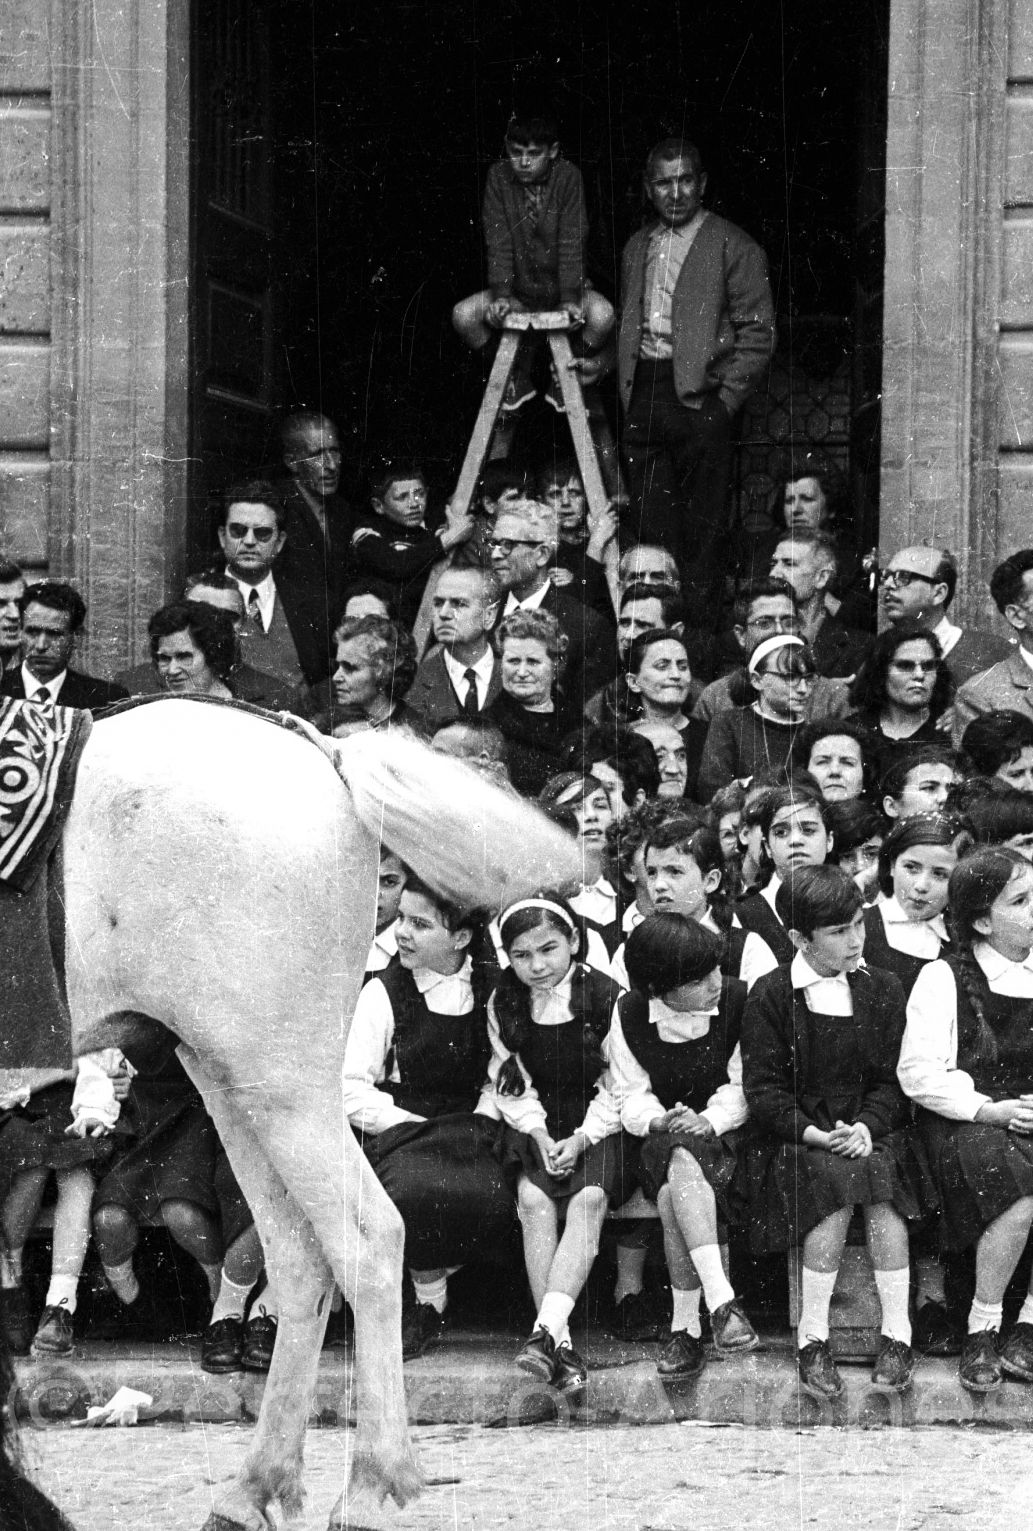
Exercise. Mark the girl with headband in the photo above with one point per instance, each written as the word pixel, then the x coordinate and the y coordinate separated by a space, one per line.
pixel 755 740
pixel 548 1020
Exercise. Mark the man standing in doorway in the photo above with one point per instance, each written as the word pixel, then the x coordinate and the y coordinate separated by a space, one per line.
pixel 697 330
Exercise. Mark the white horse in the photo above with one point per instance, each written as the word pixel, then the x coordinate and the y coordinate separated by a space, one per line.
pixel 220 878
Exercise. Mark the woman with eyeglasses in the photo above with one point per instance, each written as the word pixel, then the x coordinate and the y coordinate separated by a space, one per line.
pixel 750 741
pixel 903 693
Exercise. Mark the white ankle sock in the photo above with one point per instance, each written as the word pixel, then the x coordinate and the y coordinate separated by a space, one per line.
pixel 816 1288
pixel 1026 1311
pixel 554 1315
pixel 122 1280
pixel 230 1300
pixel 685 1313
pixel 984 1315
pixel 893 1288
pixel 265 1304
pixel 61 1292
pixel 11 1268
pixel 717 1289
pixel 433 1293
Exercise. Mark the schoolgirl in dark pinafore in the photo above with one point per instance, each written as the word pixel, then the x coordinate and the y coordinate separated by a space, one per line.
pixel 802 1068
pixel 173 1151
pixel 689 1073
pixel 442 1173
pixel 564 1064
pixel 981 1169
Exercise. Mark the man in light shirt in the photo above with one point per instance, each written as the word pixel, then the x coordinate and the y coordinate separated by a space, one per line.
pixel 918 584
pixel 697 330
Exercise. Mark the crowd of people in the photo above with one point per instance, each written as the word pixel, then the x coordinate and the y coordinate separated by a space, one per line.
pixel 794 978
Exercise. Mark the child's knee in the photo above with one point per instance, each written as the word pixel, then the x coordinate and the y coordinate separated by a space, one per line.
pixel 531 1200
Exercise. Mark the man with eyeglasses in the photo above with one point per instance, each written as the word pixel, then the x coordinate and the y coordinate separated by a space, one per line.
pixel 287 622
pixel 522 547
pixel 53 616
pixel 318 520
pixel 918 584
pixel 1009 682
pixel 767 609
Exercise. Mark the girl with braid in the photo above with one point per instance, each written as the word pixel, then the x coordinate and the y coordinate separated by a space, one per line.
pixel 548 1020
pixel 967 1060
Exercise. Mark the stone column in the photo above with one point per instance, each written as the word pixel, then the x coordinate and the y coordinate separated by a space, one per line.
pixel 944 214
pixel 118 400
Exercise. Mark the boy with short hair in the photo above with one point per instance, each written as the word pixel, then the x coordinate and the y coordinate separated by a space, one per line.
pixel 920 782
pixel 393 542
pixel 535 227
pixel 587 547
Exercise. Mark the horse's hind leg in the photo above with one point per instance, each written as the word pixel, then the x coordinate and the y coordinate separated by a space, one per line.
pixel 272 1471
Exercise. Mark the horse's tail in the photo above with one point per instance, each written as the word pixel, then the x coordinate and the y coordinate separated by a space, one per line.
pixel 467 839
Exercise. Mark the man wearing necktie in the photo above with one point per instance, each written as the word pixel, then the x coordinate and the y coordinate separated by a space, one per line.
pixel 461 676
pixel 53 615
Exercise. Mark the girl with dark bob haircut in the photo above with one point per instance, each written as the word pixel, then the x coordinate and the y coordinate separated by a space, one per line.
pixel 797 831
pixel 830 1122
pixel 674 1057
pixel 967 1061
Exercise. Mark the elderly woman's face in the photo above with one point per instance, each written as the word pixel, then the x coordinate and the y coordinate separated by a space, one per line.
pixel 354 681
pixel 805 505
pixel 182 666
pixel 527 671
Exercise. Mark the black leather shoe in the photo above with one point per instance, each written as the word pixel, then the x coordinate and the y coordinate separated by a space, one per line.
pixel 732 1331
pixel 818 1371
pixel 18 1326
pixel 422 1326
pixel 1016 1354
pixel 570 1374
pixel 894 1366
pixel 980 1370
pixel 54 1333
pixel 538 1355
pixel 220 1346
pixel 256 1350
pixel 635 1319
pixel 934 1332
pixel 681 1357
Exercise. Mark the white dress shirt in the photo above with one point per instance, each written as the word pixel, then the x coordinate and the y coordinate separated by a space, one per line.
pixel 917 938
pixel 725 1110
pixel 266 592
pixel 529 602
pixel 928 1066
pixel 946 635
pixel 384 947
pixel 525 1113
pixel 757 956
pixel 369 1041
pixel 596 901
pixel 821 995
pixel 483 670
pixel 32 685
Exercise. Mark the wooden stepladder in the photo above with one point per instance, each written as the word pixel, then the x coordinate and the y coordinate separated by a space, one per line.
pixel 555 325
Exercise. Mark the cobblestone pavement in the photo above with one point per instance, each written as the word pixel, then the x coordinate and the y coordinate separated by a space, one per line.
pixel 679 1477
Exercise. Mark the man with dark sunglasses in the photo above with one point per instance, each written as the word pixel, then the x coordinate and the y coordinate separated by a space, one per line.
pixel 287 621
pixel 918 584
